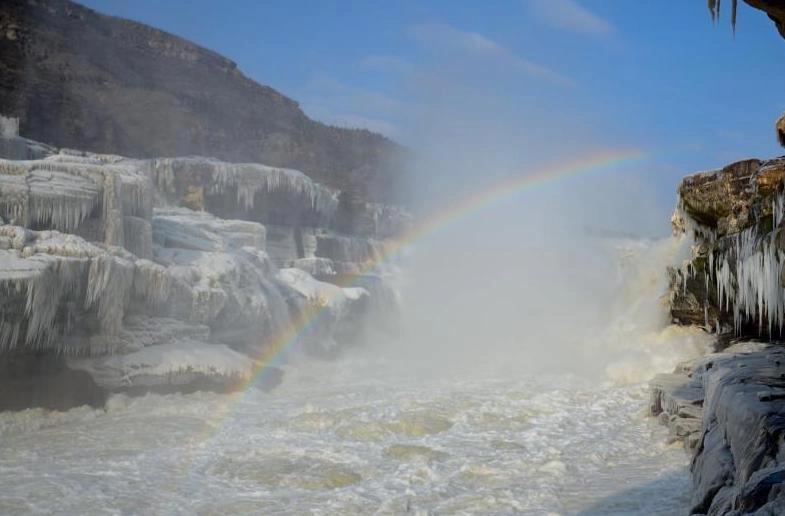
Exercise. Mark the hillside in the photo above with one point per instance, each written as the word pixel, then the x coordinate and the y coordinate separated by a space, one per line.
pixel 80 79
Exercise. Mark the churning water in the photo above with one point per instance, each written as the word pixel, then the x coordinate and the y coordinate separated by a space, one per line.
pixel 359 436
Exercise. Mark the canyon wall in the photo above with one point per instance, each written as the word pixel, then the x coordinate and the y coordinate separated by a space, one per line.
pixel 76 78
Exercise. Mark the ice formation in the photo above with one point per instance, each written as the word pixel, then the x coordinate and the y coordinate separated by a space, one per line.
pixel 246 179
pixel 740 256
pixel 139 290
pixel 177 362
pixel 753 290
pixel 61 191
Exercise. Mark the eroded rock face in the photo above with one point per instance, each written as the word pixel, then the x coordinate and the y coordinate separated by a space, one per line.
pixel 729 407
pixel 144 93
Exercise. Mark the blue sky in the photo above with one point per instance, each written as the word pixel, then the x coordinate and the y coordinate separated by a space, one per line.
pixel 532 79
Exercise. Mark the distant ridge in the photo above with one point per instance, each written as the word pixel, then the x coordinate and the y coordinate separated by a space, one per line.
pixel 80 79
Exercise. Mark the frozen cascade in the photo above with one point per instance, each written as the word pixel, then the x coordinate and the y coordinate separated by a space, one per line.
pixel 248 179
pixel 747 278
pixel 151 283
pixel 778 208
pixel 62 191
pixel 746 275
pixel 137 271
pixel 108 286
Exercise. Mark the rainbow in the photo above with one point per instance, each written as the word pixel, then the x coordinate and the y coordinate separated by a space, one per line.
pixel 606 160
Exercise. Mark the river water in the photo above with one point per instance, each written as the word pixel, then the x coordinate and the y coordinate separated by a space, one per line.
pixel 334 439
pixel 367 434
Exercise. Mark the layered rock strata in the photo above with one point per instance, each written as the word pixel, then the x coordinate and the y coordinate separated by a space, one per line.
pixel 729 407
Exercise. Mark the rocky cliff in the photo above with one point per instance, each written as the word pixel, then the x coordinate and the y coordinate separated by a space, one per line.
pixel 79 79
pixel 729 407
pixel 120 274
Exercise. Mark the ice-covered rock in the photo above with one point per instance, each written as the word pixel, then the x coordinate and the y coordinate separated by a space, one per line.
pixel 85 194
pixel 340 248
pixel 322 269
pixel 355 216
pixel 201 231
pixel 234 189
pixel 732 283
pixel 334 315
pixel 50 279
pixel 125 271
pixel 181 364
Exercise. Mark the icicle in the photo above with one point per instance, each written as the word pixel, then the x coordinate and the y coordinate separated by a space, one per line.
pixel 778 208
pixel 109 286
pixel 151 282
pixel 248 179
pixel 758 295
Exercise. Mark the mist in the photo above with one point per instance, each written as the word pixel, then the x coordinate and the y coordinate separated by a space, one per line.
pixel 533 280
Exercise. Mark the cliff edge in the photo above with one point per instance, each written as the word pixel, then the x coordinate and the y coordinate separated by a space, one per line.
pixel 79 79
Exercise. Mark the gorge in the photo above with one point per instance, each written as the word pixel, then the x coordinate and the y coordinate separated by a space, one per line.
pixel 213 303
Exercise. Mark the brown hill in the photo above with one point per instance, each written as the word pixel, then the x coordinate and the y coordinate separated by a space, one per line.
pixel 80 79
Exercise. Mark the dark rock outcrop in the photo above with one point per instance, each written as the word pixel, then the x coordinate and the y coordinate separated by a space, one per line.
pixel 79 79
pixel 730 408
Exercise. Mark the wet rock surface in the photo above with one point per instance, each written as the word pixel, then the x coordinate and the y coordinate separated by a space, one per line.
pixel 729 408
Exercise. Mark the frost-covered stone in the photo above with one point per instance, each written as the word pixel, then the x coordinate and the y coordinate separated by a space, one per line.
pixel 322 269
pixel 188 229
pixel 349 249
pixel 63 191
pixel 205 183
pixel 127 269
pixel 334 313
pixel 358 217
pixel 50 278
pixel 171 366
pixel 733 281
pixel 729 407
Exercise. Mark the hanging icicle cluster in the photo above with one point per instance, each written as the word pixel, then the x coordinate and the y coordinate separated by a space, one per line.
pixel 152 283
pixel 248 179
pixel 53 273
pixel 778 208
pixel 61 191
pixel 714 9
pixel 108 288
pixel 747 277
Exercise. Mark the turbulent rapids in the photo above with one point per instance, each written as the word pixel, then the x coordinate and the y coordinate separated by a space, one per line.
pixel 340 439
pixel 378 432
